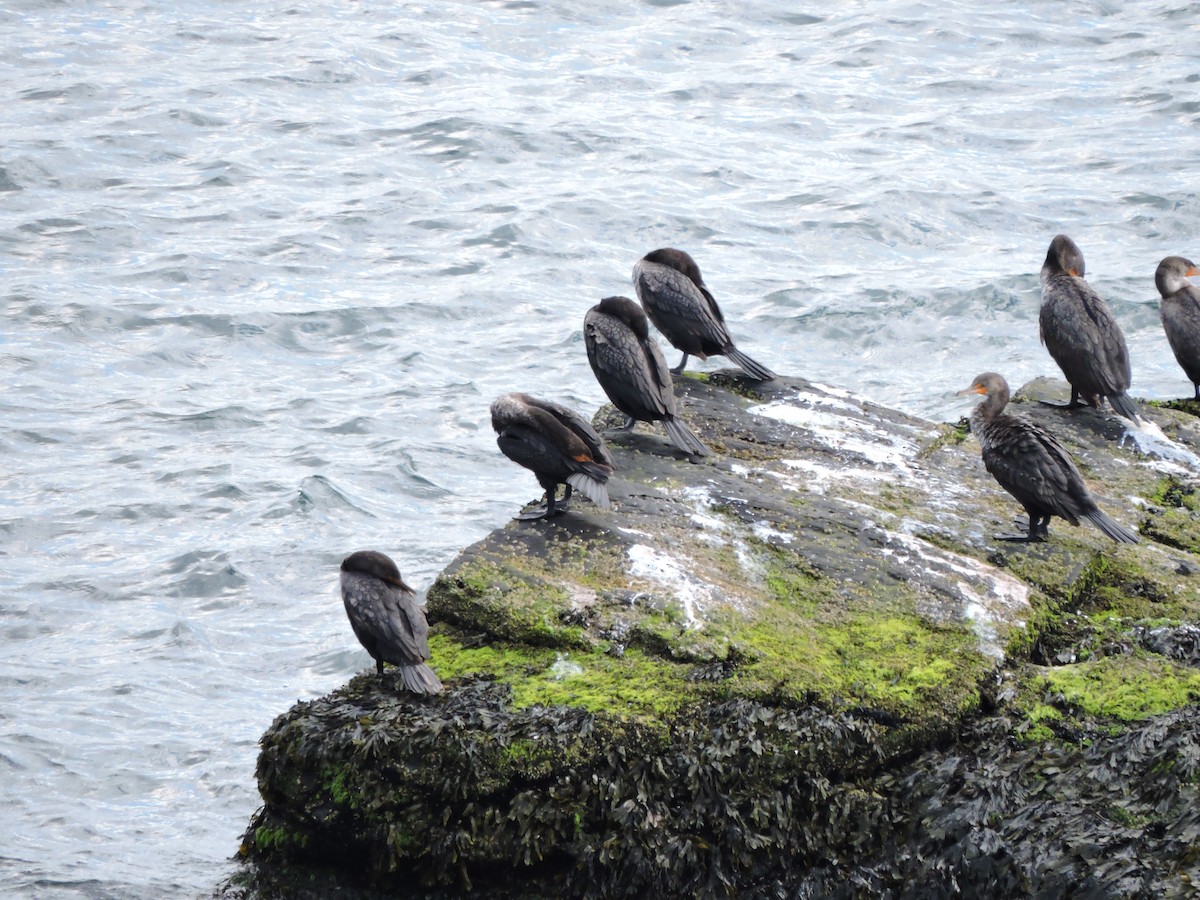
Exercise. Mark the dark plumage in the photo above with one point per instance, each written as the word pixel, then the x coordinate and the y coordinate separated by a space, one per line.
pixel 631 368
pixel 1033 466
pixel 557 445
pixel 1180 311
pixel 386 618
pixel 1081 334
pixel 669 286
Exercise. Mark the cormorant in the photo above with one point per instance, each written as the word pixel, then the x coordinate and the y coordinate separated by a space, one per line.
pixel 670 287
pixel 1180 311
pixel 557 445
pixel 631 369
pixel 1033 466
pixel 386 618
pixel 1081 334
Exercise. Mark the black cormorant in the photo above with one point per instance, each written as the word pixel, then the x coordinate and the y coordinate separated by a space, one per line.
pixel 1081 334
pixel 1180 311
pixel 670 287
pixel 1033 466
pixel 557 445
pixel 386 618
pixel 631 369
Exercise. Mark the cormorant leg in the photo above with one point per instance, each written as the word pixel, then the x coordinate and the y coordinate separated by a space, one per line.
pixel 543 512
pixel 1197 395
pixel 630 421
pixel 678 370
pixel 379 667
pixel 1054 405
pixel 558 507
pixel 552 508
pixel 1035 535
pixel 1073 403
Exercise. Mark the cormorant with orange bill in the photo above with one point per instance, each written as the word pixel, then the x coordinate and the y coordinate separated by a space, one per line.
pixel 1180 312
pixel 1033 466
pixel 1081 334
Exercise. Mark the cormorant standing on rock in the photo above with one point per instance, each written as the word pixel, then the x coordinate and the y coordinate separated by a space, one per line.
pixel 669 286
pixel 557 445
pixel 1033 466
pixel 1180 312
pixel 386 618
pixel 1081 334
pixel 631 369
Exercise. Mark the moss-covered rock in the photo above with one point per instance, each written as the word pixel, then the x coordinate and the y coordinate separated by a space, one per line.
pixel 754 674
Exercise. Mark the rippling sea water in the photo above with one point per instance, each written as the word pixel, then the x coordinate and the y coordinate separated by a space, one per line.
pixel 264 266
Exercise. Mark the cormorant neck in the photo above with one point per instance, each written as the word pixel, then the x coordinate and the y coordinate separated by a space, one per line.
pixel 992 405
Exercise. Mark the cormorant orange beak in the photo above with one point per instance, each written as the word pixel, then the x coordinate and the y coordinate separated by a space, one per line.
pixel 973 389
pixel 1192 271
pixel 1073 272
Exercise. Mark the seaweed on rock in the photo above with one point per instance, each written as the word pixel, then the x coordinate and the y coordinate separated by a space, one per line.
pixel 744 800
pixel 798 670
pixel 458 792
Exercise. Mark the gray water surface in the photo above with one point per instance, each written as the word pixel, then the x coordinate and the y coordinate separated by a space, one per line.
pixel 264 266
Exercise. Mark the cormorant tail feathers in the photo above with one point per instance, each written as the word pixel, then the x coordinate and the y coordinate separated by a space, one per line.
pixel 420 679
pixel 1114 530
pixel 683 438
pixel 591 487
pixel 1124 405
pixel 747 365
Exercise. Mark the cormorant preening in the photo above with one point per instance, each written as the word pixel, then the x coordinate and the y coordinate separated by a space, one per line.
pixel 1081 334
pixel 387 619
pixel 631 368
pixel 1180 311
pixel 557 445
pixel 669 286
pixel 1032 466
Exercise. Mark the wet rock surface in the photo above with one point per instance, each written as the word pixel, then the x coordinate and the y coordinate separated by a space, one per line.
pixel 801 667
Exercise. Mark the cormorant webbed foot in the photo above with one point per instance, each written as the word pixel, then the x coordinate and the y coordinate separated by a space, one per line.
pixel 1071 404
pixel 1020 538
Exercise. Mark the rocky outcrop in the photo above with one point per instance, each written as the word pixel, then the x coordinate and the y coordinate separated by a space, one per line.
pixel 801 667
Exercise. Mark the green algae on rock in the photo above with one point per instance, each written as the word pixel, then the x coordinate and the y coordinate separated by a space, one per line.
pixel 721 684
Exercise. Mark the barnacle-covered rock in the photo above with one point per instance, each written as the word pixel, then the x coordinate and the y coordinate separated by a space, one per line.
pixel 801 667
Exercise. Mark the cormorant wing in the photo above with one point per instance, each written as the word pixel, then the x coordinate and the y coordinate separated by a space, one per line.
pixel 386 616
pixel 1081 333
pixel 1029 461
pixel 682 306
pixel 1110 352
pixel 1182 310
pixel 657 364
pixel 1180 314
pixel 633 373
pixel 569 431
pixel 406 625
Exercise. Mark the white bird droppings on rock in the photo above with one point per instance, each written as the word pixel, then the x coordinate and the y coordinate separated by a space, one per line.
pixel 986 596
pixel 691 592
